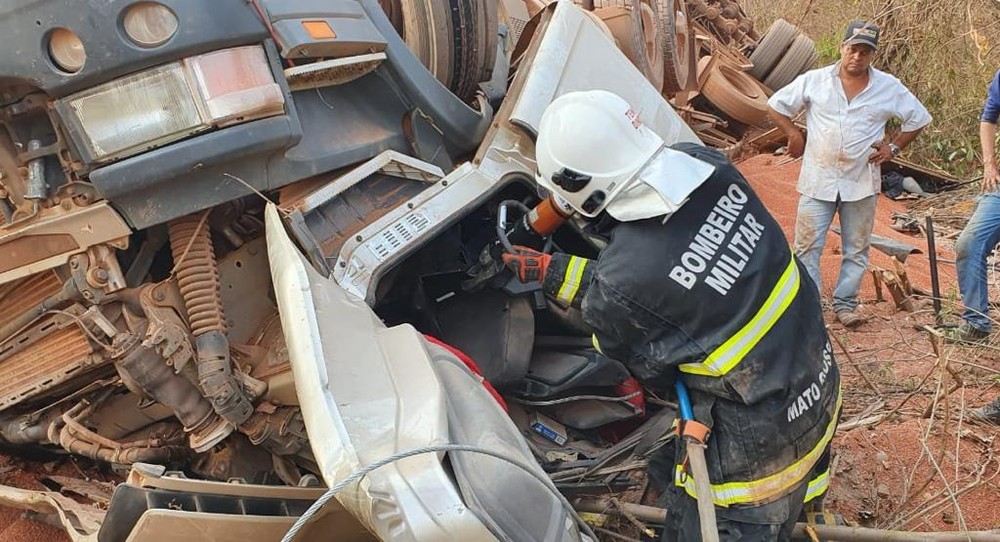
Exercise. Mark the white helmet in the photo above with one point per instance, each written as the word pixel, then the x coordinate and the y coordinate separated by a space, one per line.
pixel 591 146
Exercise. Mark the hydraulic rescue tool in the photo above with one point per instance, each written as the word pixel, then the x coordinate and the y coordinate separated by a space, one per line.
pixel 533 229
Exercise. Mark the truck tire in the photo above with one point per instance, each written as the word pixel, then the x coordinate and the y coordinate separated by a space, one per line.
pixel 735 93
pixel 800 57
pixel 679 59
pixel 455 39
pixel 636 28
pixel 394 11
pixel 772 47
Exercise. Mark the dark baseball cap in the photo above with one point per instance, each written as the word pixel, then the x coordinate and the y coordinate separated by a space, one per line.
pixel 862 32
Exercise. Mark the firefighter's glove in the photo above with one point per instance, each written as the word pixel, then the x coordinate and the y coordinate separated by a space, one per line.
pixel 528 264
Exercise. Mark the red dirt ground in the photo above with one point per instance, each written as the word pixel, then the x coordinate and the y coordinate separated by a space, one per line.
pixel 893 475
pixel 18 525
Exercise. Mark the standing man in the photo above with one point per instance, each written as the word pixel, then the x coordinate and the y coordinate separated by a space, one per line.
pixel 847 106
pixel 698 282
pixel 976 242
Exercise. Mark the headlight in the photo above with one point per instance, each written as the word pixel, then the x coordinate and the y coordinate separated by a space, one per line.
pixel 157 106
pixel 149 24
pixel 145 109
pixel 237 85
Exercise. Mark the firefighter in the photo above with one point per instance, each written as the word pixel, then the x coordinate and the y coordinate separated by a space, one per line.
pixel 699 283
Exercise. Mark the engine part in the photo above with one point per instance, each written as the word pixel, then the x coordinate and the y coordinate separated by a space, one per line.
pixel 246 290
pixel 30 428
pixel 236 459
pixel 77 439
pixel 197 274
pixel 96 274
pixel 282 430
pixel 165 331
pixel 145 371
pixel 37 190
pixel 198 279
pixel 58 234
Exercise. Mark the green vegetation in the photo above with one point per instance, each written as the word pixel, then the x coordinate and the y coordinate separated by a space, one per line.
pixel 943 51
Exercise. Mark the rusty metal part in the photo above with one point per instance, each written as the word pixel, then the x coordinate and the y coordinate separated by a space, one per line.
pixel 145 371
pixel 17 312
pixel 81 521
pixel 75 192
pixel 166 331
pixel 104 271
pixel 282 430
pixel 266 359
pixel 96 275
pixel 198 280
pixel 245 276
pixel 41 351
pixel 37 189
pixel 30 428
pixel 77 439
pixel 254 388
pixel 236 458
pixel 55 236
pixel 96 491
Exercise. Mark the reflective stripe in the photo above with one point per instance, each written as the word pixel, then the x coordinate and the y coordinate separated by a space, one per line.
pixel 818 486
pixel 775 485
pixel 597 345
pixel 731 352
pixel 571 281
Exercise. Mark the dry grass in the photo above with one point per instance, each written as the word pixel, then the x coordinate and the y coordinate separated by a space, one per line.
pixel 945 52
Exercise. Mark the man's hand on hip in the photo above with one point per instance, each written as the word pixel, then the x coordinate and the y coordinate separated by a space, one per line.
pixel 882 154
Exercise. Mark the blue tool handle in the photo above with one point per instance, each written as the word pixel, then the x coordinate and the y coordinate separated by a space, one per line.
pixel 684 400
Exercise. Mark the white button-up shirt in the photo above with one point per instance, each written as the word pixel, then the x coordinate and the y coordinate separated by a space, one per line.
pixel 841 133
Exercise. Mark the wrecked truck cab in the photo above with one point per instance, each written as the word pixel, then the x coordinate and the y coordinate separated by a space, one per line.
pixel 370 387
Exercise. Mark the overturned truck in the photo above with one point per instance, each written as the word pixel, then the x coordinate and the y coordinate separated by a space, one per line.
pixel 235 264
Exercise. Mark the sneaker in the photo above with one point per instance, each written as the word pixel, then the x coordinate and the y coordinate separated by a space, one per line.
pixel 850 319
pixel 986 414
pixel 966 334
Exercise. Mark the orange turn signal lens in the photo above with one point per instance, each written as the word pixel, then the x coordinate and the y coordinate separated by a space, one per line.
pixel 319 30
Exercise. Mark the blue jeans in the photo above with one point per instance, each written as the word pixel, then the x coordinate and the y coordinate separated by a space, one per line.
pixel 857 218
pixel 977 240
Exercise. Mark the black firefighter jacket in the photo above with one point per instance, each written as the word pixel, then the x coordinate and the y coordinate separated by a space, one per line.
pixel 716 295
